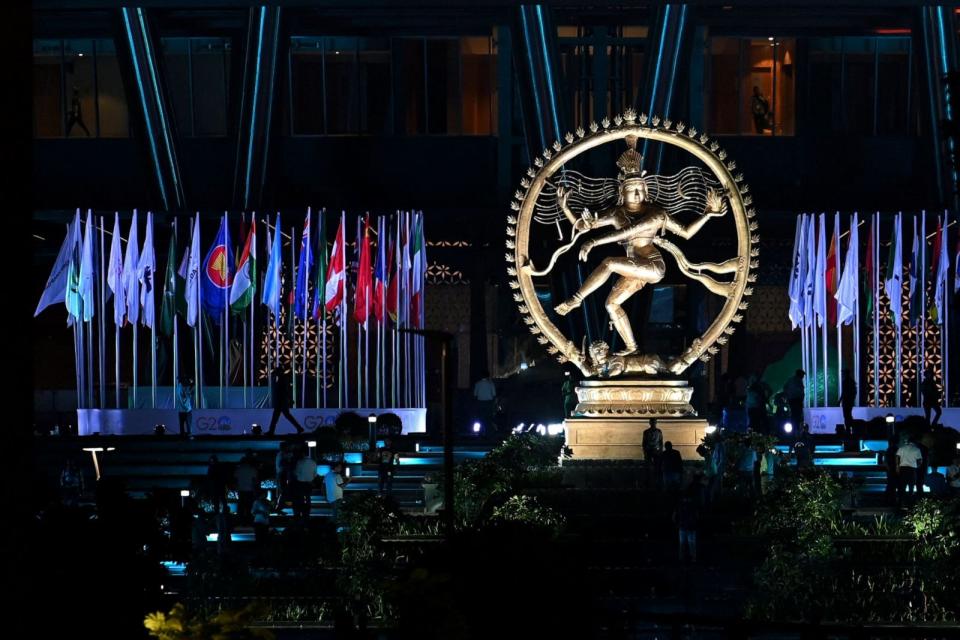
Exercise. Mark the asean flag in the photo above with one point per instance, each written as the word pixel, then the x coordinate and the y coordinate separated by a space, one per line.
pixel 218 272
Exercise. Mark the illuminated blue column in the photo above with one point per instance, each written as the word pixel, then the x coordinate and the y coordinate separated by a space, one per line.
pixel 536 59
pixel 537 64
pixel 668 43
pixel 256 106
pixel 157 123
pixel 940 55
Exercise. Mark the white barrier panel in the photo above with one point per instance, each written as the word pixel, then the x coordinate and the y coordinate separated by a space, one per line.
pixel 826 419
pixel 225 422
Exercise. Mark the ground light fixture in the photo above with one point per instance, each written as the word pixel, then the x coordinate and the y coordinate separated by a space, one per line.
pixel 788 427
pixel 712 428
pixel 476 427
pixel 890 419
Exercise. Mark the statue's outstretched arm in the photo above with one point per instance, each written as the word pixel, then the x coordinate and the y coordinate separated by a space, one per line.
pixel 716 206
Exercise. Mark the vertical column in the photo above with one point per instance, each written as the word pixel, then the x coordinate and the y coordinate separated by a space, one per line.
pixel 256 105
pixel 156 121
pixel 669 40
pixel 940 56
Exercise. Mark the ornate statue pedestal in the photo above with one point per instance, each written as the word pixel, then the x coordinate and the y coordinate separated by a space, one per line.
pixel 610 417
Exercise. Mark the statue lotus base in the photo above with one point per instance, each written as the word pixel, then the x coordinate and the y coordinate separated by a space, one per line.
pixel 611 415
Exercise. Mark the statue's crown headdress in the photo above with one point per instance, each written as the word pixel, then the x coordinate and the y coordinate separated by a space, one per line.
pixel 630 161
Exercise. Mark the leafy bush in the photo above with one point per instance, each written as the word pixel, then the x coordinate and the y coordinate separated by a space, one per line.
pixel 528 510
pixel 936 526
pixel 180 625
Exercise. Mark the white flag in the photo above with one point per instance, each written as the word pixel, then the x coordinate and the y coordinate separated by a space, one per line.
pixel 193 275
pixel 87 269
pixel 56 288
pixel 115 274
pixel 810 244
pixel 131 284
pixel 847 295
pixel 894 280
pixel 820 274
pixel 798 273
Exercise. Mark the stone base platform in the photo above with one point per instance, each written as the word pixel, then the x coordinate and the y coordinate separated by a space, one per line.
pixel 617 438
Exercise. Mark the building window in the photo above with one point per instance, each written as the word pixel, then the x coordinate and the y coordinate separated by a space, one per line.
pixel 608 57
pixel 347 86
pixel 861 86
pixel 198 81
pixel 77 90
pixel 752 86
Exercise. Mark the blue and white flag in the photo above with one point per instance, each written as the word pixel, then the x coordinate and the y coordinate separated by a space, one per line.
pixel 56 289
pixel 849 290
pixel 115 273
pixel 271 279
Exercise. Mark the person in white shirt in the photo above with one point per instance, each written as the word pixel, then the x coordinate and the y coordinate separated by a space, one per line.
pixel 333 484
pixel 485 391
pixel 304 474
pixel 909 459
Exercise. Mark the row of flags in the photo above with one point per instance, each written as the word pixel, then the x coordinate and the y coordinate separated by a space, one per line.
pixel 818 297
pixel 222 281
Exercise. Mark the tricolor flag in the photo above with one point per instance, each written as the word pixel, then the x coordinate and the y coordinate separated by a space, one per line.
pixel 271 282
pixel 146 270
pixel 131 281
pixel 831 275
pixel 393 282
pixel 115 273
pixel 380 271
pixel 846 294
pixel 302 290
pixel 321 270
pixel 244 287
pixel 893 283
pixel 418 273
pixel 217 276
pixel 336 271
pixel 820 280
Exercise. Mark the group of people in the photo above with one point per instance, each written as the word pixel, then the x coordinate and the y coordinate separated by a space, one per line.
pixel 760 401
pixel 907 462
pixel 664 464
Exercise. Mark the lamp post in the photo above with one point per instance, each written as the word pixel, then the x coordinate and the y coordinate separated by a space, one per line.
pixel 446 403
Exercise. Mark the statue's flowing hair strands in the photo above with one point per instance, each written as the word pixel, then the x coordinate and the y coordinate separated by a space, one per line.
pixel 682 192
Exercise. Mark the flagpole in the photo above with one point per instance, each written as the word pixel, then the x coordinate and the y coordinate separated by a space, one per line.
pixel 875 232
pixel 253 320
pixel 855 222
pixel 293 314
pixel 201 400
pixel 101 343
pixel 899 230
pixel 153 321
pixel 344 356
pixel 359 344
pixel 945 321
pixel 242 324
pixel 306 298
pixel 176 341
pixel 921 336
